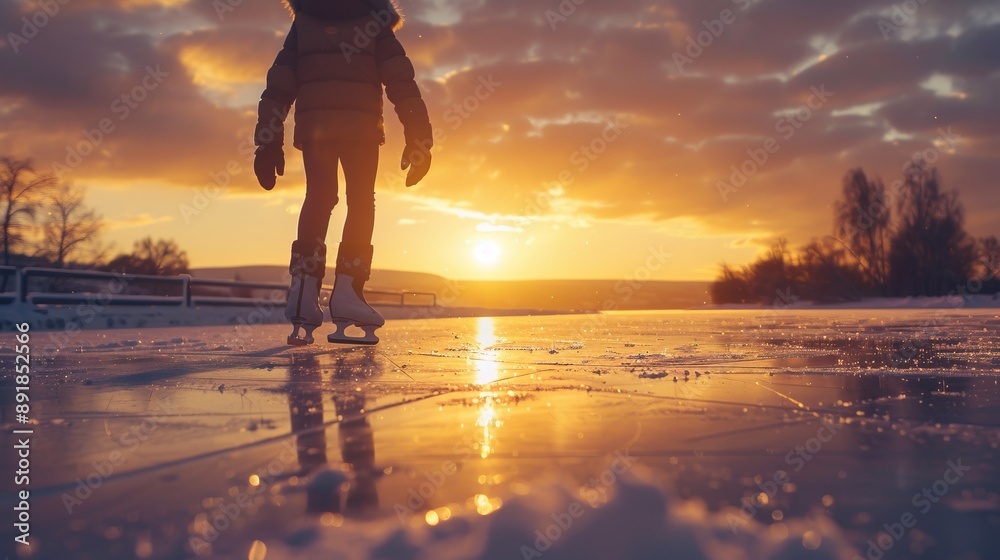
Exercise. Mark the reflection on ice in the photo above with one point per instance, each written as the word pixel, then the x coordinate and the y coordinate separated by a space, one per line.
pixel 475 420
pixel 485 360
pixel 487 371
pixel 349 489
pixel 488 421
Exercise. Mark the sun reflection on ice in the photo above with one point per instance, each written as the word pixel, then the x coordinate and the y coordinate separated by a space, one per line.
pixel 487 421
pixel 487 371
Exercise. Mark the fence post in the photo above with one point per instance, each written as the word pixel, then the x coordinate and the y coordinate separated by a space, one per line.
pixel 22 284
pixel 186 283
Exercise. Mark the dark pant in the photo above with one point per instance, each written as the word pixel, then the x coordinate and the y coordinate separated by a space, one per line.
pixel 360 161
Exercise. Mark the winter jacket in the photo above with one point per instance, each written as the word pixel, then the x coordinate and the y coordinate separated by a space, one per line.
pixel 335 60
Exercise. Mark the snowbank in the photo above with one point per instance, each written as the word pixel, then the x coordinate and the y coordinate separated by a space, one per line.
pixel 978 301
pixel 551 521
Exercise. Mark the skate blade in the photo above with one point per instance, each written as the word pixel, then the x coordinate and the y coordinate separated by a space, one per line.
pixel 340 336
pixel 295 339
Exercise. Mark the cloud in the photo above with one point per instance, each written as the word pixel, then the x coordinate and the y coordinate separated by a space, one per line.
pixel 140 220
pixel 545 123
pixel 487 227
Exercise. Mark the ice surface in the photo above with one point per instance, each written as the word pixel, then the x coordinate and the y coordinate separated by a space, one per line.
pixel 748 434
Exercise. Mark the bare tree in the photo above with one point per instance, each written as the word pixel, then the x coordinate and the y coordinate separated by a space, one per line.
pixel 861 223
pixel 772 274
pixel 21 191
pixel 71 228
pixel 988 250
pixel 931 253
pixel 825 274
pixel 162 256
pixel 730 287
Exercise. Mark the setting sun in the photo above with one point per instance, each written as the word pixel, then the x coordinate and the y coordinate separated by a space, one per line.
pixel 487 253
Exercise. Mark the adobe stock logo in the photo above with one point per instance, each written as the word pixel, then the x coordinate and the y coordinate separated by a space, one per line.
pixel 902 14
pixel 786 126
pixel 32 24
pixel 595 492
pixel 697 43
pixel 923 501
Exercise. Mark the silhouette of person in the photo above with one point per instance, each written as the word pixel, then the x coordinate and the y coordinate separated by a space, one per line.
pixel 325 492
pixel 305 406
pixel 356 437
pixel 336 59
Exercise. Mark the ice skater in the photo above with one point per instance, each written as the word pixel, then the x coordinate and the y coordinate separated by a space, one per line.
pixel 335 60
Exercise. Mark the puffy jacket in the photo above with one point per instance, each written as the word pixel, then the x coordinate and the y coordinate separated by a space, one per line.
pixel 335 60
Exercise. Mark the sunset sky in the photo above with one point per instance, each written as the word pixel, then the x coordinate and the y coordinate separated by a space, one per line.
pixel 519 93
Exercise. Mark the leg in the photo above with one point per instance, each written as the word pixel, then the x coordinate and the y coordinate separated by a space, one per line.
pixel 307 266
pixel 360 171
pixel 347 304
pixel 320 162
pixel 360 163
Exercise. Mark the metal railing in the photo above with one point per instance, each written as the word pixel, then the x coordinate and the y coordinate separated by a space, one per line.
pixel 9 284
pixel 72 287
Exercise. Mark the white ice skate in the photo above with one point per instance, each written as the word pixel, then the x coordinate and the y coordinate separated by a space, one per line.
pixel 302 308
pixel 347 309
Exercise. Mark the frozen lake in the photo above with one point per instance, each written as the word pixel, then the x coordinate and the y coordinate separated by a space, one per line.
pixel 707 434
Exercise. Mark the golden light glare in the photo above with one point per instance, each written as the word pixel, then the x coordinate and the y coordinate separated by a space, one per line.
pixel 486 365
pixel 487 253
pixel 432 518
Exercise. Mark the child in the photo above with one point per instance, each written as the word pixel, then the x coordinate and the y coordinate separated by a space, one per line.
pixel 335 60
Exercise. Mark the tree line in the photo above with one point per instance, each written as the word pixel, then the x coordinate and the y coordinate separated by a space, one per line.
pixel 46 222
pixel 905 240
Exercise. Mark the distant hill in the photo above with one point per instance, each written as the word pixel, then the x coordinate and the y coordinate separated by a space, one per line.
pixel 583 295
pixel 580 295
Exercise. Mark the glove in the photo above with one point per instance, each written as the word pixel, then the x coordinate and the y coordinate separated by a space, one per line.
pixel 418 160
pixel 268 160
pixel 419 138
